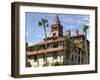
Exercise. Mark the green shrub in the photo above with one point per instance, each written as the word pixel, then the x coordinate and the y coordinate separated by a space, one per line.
pixel 57 64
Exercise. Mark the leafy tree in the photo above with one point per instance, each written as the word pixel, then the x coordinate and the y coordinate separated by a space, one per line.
pixel 27 62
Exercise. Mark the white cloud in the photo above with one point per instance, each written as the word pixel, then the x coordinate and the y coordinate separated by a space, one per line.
pixel 32 43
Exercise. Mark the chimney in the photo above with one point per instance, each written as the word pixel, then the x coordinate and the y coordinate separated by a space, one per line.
pixel 68 34
pixel 76 33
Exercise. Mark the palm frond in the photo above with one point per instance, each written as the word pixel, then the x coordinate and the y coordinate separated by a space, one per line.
pixel 44 20
pixel 40 23
pixel 47 25
pixel 85 28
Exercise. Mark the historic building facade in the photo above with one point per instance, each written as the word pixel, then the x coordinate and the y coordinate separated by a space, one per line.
pixel 61 49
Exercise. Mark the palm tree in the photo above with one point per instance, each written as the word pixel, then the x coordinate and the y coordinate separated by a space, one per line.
pixel 85 29
pixel 44 23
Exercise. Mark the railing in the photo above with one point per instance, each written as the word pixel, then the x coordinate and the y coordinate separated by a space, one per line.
pixel 43 51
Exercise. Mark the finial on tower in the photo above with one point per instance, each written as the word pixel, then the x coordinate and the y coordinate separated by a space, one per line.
pixel 56 20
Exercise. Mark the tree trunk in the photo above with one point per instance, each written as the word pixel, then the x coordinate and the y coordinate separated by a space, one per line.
pixel 60 59
pixel 45 63
pixel 86 56
pixel 64 54
pixel 79 57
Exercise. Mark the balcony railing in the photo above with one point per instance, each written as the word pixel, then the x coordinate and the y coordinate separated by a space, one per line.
pixel 44 51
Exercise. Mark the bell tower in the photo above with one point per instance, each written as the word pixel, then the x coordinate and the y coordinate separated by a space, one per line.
pixel 56 28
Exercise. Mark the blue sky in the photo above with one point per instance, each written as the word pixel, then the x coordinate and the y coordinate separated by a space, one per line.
pixel 35 33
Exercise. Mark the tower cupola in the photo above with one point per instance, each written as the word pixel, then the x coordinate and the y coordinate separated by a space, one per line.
pixel 56 28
